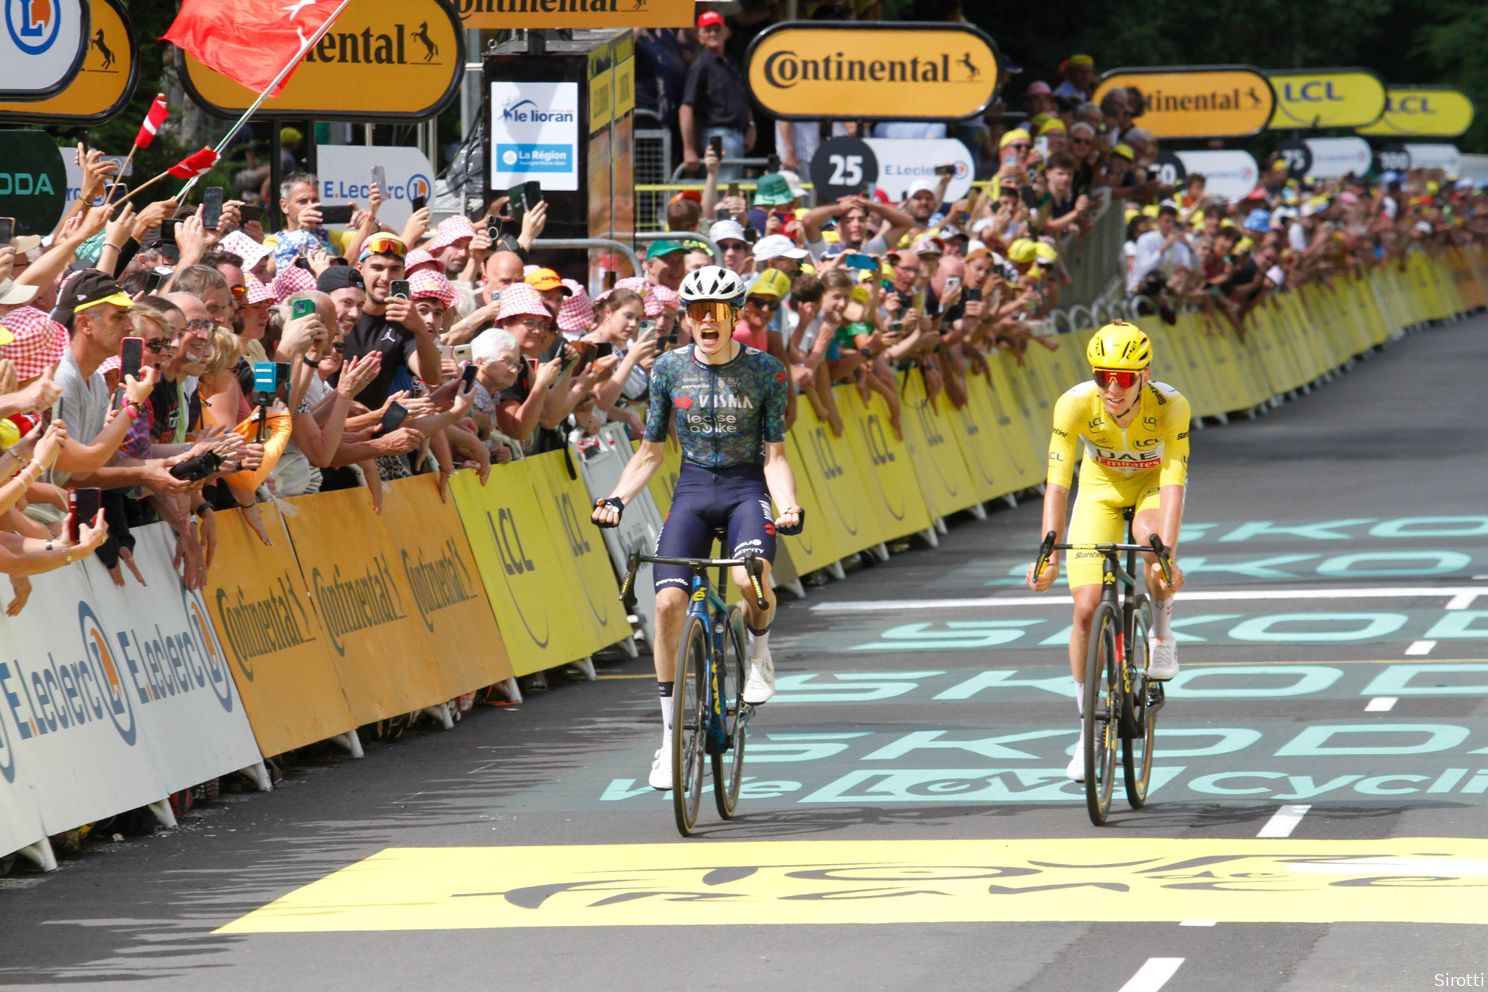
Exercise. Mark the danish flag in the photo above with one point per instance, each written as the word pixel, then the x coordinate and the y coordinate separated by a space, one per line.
pixel 153 120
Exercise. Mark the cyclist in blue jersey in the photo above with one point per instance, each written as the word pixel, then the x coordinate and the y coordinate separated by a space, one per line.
pixel 729 401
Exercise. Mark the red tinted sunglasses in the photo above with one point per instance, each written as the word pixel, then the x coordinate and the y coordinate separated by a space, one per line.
pixel 1124 380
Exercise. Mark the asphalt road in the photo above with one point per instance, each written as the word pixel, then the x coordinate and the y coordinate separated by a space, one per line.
pixel 1317 820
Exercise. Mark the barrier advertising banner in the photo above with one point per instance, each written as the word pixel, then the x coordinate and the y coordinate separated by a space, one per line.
pixel 366 605
pixel 112 698
pixel 534 135
pixel 496 15
pixel 282 660
pixel 103 83
pixel 1422 112
pixel 601 463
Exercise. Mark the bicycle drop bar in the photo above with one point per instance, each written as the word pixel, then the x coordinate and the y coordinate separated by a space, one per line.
pixel 753 564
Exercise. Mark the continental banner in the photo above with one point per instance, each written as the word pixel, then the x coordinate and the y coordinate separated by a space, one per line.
pixel 366 604
pixel 284 665
pixel 112 697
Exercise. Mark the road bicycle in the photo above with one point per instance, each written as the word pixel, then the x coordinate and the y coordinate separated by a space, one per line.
pixel 1120 701
pixel 709 715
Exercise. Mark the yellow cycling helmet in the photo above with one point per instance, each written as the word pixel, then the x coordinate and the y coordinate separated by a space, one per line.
pixel 1121 346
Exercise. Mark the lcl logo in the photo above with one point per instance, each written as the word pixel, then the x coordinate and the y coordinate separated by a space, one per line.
pixel 1408 105
pixel 1317 91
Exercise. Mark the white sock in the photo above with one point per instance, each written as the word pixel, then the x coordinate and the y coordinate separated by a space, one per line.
pixel 1162 618
pixel 1080 698
pixel 665 695
pixel 757 644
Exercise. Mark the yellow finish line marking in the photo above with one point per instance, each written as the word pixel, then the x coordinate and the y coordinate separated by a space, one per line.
pixel 1153 879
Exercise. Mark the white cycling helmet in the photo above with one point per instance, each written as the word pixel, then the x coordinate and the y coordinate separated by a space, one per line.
pixel 710 283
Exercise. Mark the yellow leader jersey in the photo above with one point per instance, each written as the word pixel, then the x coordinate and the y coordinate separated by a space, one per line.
pixel 1156 438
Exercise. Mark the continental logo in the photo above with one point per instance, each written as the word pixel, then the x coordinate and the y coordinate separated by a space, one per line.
pixel 264 622
pixel 356 603
pixel 498 14
pixel 438 584
pixel 467 8
pixel 927 72
pixel 404 44
pixel 1198 102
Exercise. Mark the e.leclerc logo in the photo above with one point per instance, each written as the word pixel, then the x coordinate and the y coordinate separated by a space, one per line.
pixel 418 186
pixel 33 24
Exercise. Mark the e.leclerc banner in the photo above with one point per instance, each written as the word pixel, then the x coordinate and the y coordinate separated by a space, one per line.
pixel 813 70
pixel 1319 98
pixel 103 84
pixel 382 59
pixel 1204 101
pixel 1422 112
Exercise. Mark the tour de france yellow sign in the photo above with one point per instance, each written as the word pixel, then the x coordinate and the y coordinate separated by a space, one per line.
pixel 1215 101
pixel 1422 112
pixel 809 70
pixel 104 82
pixel 393 59
pixel 1317 98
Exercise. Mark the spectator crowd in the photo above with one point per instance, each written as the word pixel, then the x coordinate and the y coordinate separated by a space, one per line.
pixel 167 365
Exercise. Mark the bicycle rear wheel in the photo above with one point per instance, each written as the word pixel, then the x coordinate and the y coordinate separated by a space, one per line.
pixel 689 723
pixel 1102 711
pixel 1136 752
pixel 728 768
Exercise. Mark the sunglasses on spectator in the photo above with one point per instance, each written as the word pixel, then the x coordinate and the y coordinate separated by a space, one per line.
pixel 1019 144
pixel 763 304
pixel 538 324
pixel 157 345
pixel 384 244
pixel 239 292
pixel 720 311
pixel 1123 379
pixel 199 325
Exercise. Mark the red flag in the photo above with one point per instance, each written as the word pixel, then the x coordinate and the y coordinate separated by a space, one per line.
pixel 153 120
pixel 194 164
pixel 249 41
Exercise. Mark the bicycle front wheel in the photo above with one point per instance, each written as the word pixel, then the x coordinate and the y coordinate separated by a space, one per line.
pixel 1102 712
pixel 728 767
pixel 689 723
pixel 1136 751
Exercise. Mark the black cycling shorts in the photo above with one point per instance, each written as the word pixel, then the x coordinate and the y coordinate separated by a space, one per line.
pixel 706 499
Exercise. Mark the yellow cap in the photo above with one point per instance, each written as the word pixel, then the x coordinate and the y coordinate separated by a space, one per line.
pixel 1150 210
pixel 1045 252
pixel 1037 120
pixel 772 283
pixel 1125 151
pixel 1022 251
pixel 1052 124
pixel 1016 134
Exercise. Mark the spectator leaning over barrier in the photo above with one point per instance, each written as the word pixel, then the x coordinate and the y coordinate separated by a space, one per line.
pixel 814 320
pixel 390 325
pixel 851 214
pixel 534 399
pixel 1061 210
pixel 451 245
pixel 620 315
pixel 1163 261
pixel 714 101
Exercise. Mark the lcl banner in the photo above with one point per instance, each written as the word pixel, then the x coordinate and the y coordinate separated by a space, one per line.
pixel 1422 112
pixel 1201 101
pixel 1318 98
pixel 113 697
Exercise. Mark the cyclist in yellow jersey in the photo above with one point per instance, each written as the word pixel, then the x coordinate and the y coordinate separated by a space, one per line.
pixel 1135 437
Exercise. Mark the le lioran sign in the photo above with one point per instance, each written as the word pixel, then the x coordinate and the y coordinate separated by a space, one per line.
pixel 104 82
pixel 1219 101
pixel 1318 98
pixel 393 59
pixel 897 72
pixel 1423 112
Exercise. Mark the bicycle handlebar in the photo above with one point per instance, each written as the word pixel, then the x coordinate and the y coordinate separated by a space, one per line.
pixel 753 564
pixel 1154 545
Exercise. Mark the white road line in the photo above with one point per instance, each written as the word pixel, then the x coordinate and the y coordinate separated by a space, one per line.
pixel 1462 600
pixel 1284 821
pixel 1420 647
pixel 1381 704
pixel 1214 595
pixel 1153 975
pixel 1197 923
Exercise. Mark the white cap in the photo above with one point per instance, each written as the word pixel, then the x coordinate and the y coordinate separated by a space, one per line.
pixel 778 246
pixel 922 186
pixel 726 230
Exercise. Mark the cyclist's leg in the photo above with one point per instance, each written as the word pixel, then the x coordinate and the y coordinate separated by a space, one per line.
pixel 1163 655
pixel 1096 519
pixel 751 533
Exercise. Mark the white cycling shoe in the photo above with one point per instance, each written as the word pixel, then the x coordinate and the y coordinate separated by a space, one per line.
pixel 759 679
pixel 661 770
pixel 1076 767
pixel 1162 659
